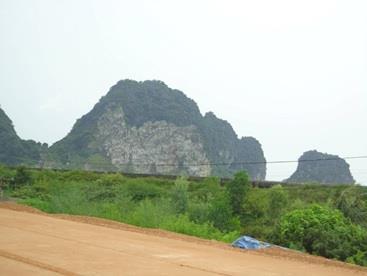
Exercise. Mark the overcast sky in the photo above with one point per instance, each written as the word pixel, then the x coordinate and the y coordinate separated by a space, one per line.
pixel 291 73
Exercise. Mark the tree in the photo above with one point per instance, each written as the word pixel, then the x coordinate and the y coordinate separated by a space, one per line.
pixel 22 177
pixel 237 190
pixel 278 199
pixel 180 195
pixel 220 213
pixel 352 202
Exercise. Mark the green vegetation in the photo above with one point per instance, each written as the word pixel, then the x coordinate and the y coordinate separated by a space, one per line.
pixel 13 150
pixel 237 191
pixel 323 231
pixel 324 220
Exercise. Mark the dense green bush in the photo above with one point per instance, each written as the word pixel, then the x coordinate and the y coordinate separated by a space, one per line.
pixel 237 189
pixel 221 214
pixel 78 175
pixel 256 204
pixel 360 258
pixel 278 201
pixel 22 177
pixel 179 196
pixel 139 190
pixel 199 211
pixel 352 202
pixel 39 191
pixel 6 173
pixel 262 209
pixel 322 231
pixel 206 190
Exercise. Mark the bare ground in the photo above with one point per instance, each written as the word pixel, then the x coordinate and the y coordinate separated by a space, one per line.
pixel 35 243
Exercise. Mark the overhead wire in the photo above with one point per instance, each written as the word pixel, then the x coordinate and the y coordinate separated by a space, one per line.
pixel 237 163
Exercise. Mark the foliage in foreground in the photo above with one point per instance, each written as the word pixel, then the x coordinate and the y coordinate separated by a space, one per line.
pixel 325 232
pixel 326 221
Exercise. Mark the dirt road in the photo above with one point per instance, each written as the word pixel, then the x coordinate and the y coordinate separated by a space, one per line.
pixel 38 244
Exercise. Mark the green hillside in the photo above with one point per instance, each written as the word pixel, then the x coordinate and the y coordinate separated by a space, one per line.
pixel 13 150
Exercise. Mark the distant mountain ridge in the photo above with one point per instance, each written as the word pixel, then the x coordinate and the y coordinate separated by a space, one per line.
pixel 147 127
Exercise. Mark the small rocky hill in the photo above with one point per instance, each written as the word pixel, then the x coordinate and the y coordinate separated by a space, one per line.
pixel 14 150
pixel 147 127
pixel 328 169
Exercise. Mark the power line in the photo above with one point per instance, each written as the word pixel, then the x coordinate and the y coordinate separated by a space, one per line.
pixel 319 159
pixel 132 163
pixel 270 162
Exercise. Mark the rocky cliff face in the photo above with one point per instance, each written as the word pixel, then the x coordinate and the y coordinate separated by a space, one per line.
pixel 146 127
pixel 249 148
pixel 154 147
pixel 14 150
pixel 328 169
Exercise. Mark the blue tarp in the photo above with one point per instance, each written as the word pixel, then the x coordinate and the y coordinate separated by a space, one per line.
pixel 246 242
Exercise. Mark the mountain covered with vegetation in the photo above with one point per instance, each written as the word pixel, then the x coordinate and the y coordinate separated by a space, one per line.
pixel 147 127
pixel 14 150
pixel 314 166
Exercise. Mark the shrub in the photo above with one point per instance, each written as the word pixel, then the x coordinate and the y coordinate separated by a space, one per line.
pixel 199 212
pixel 149 214
pixel 109 180
pixel 182 224
pixel 221 215
pixel 352 202
pixel 22 177
pixel 179 195
pixel 321 231
pixel 278 200
pixel 237 190
pixel 6 172
pixel 104 189
pixel 206 189
pixel 256 204
pixel 78 175
pixel 360 258
pixel 138 190
pixel 37 191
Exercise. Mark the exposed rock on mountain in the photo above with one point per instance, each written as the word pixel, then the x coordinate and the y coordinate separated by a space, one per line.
pixel 146 127
pixel 328 169
pixel 15 151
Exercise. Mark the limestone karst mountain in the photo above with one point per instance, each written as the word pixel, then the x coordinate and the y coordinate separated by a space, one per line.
pixel 146 127
pixel 327 169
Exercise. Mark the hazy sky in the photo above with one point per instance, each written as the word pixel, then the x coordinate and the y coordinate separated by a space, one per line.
pixel 291 73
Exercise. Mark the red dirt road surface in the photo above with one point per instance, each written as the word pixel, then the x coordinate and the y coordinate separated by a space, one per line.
pixel 33 243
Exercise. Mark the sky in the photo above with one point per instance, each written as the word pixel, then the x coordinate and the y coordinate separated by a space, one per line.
pixel 291 73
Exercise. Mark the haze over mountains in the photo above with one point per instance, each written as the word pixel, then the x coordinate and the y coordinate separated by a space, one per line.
pixel 147 127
